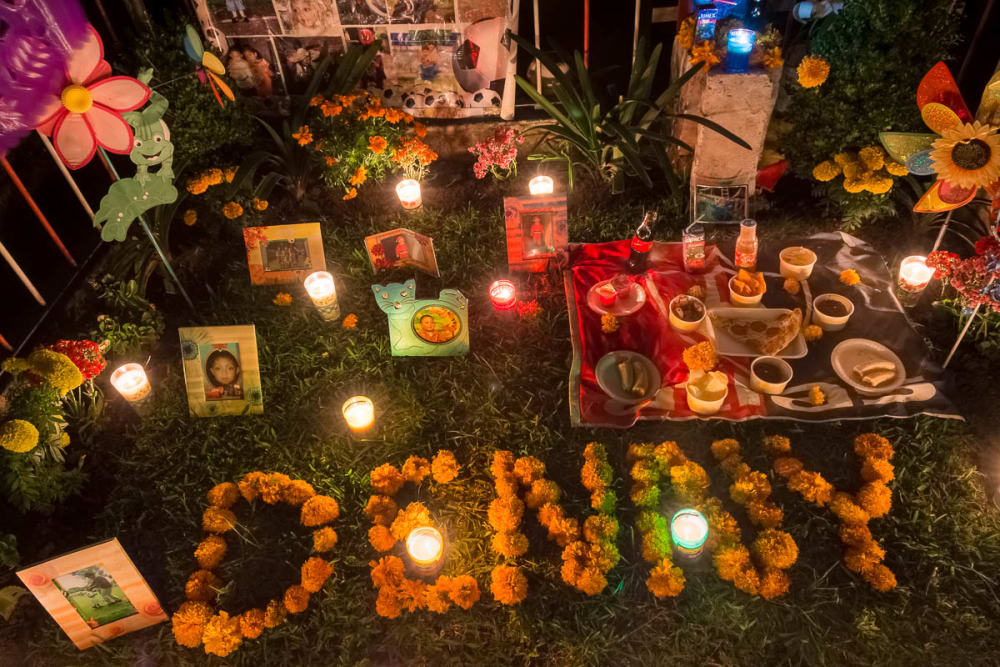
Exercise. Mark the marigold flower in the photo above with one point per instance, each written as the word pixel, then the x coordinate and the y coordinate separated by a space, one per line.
pixel 223 495
pixel 685 33
pixel 296 599
pixel 218 520
pixel 210 551
pixel 381 509
pixel 895 168
pixel 747 581
pixel 315 571
pixel 876 499
pixel 816 395
pixel 873 157
pixel 359 177
pixel 351 194
pixel 229 173
pixel 416 468
pixel 271 486
pixel 232 210
pixel 508 584
pixel 704 53
pixel 464 591
pixel 667 454
pixel 274 614
pixel 18 436
pixel 787 466
pixel 721 449
pixel 776 548
pixel 880 577
pixel 811 486
pixel 812 332
pixel 201 586
pixel 850 277
pixel 645 495
pixel 873 446
pixel 436 595
pixel 415 515
pixel 734 466
pixel 412 594
pixel 847 510
pixel 751 487
pixel 330 161
pixel 388 571
pixel 330 109
pixel 190 217
pixel 388 604
pixel 213 176
pixel 813 71
pixel 297 491
pixel 350 322
pixel 303 136
pixel 282 299
pixel 701 357
pixel 52 366
pixel 377 144
pixel 729 562
pixel 826 171
pixel 260 204
pixel 591 581
pixel 528 469
pixel 503 463
pixel 773 584
pixel 773 59
pixel 598 527
pixel 444 467
pixel 189 623
pixel 666 580
pixel 252 623
pixel 655 545
pixel 609 323
pixel 316 100
pixel 690 482
pixel 877 470
pixel 420 130
pixel 248 485
pixel 319 510
pixel 381 539
pixel 862 559
pixel 765 514
pixel 197 186
pixel 222 635
pixel 387 479
pixel 510 544
pixel 505 514
pixel 542 491
pixel 855 534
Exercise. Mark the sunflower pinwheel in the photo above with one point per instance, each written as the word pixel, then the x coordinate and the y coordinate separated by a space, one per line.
pixel 210 68
pixel 964 152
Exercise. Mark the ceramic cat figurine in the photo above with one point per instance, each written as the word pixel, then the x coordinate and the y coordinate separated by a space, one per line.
pixel 428 327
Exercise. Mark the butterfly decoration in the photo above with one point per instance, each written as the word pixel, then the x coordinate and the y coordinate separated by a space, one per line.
pixel 209 67
pixel 963 151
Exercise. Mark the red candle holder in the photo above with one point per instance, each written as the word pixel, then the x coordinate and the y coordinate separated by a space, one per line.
pixel 503 295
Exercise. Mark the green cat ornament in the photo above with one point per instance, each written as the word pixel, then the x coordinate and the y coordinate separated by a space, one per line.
pixel 428 327
pixel 129 198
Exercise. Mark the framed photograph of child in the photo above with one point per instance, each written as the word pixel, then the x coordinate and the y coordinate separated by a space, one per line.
pixel 719 203
pixel 401 247
pixel 283 254
pixel 94 594
pixel 221 370
pixel 537 231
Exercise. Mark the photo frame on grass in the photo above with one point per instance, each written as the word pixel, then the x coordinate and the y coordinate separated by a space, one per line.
pixel 221 370
pixel 402 247
pixel 537 231
pixel 719 203
pixel 282 254
pixel 95 593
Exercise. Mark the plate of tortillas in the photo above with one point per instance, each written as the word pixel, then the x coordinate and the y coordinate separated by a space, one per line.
pixel 869 367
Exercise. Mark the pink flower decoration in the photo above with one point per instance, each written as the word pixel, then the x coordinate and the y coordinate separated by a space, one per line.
pixel 88 113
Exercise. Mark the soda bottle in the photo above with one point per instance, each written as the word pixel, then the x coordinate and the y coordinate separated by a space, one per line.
pixel 746 246
pixel 642 242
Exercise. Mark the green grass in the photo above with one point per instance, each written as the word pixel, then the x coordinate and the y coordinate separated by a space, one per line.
pixel 942 537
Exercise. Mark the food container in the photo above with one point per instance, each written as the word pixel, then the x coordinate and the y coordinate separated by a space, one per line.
pixel 831 322
pixel 796 270
pixel 743 301
pixel 765 387
pixel 682 324
pixel 703 407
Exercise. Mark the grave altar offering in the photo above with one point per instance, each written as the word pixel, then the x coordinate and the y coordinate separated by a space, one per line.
pixel 425 327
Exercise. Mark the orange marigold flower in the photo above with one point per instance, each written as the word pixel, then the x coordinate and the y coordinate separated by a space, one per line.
pixel 668 454
pixel 315 572
pixel 190 217
pixel 445 467
pixel 260 204
pixel 690 481
pixel 415 515
pixel 303 136
pixel 875 498
pixel 350 321
pixel 223 495
pixel 722 449
pixel 201 586
pixel 528 469
pixel 855 534
pixel 388 572
pixel 436 595
pixel 274 614
pixel 380 538
pixel 776 445
pixel 787 466
pixel 377 144
pixel 229 173
pixel 271 485
pixel 666 580
pixel 387 479
pixel 748 581
pixel 847 510
pixel 811 486
pixel 416 468
pixel 388 604
pixel 872 446
pixel 359 177
pixel 508 584
pixel 232 210
pixel 542 491
pixel 420 130
pixel 210 551
pixel 773 584
pixel 296 599
pixel 464 591
pixel 330 109
pixel 222 635
pixel 880 577
pixel 729 562
pixel 877 470
pixel 412 594
pixel 734 467
pixel 324 539
pixel 189 623
pixel 510 545
pixel 213 176
pixel 351 194
pixel 849 277
pixel 701 357
pixel 197 186
pixel 252 623
pixel 297 491
pixel 816 395
pixel 218 520
pixel 317 100
pixel 751 487
pixel 248 485
pixel 505 514
pixel 330 161
pixel 591 581
pixel 282 299
pixel 319 510
pixel 704 53
pixel 503 463
pixel 381 509
pixel 765 514
pixel 861 559
pixel 776 548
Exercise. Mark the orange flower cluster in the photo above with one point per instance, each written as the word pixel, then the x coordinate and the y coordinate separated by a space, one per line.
pixel 196 623
pixel 413 156
pixel 203 181
pixel 397 593
pixel 873 500
pixel 303 136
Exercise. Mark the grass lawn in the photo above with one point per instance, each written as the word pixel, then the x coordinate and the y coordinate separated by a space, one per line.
pixel 942 537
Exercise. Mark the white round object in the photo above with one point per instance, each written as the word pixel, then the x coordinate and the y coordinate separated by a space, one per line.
pixel 795 271
pixel 684 325
pixel 858 352
pixel 609 379
pixel 622 307
pixel 765 387
pixel 830 322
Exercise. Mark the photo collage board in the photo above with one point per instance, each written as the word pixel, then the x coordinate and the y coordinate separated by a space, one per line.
pixel 438 58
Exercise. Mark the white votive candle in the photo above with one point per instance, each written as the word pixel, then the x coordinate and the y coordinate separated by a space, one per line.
pixel 323 292
pixel 131 382
pixel 408 191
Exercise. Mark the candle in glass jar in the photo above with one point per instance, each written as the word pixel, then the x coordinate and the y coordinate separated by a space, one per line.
pixel 408 191
pixel 359 413
pixel 425 546
pixel 914 274
pixel 323 292
pixel 689 530
pixel 131 382
pixel 741 42
pixel 540 185
pixel 503 295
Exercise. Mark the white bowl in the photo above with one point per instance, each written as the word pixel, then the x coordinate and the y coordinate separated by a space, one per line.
pixel 703 407
pixel 796 271
pixel 684 325
pixel 743 301
pixel 829 322
pixel 765 387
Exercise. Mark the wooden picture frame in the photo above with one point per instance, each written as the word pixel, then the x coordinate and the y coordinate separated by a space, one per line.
pixel 221 370
pixel 282 254
pixel 401 247
pixel 537 231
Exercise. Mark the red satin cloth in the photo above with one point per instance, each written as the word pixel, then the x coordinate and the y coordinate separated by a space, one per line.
pixel 647 332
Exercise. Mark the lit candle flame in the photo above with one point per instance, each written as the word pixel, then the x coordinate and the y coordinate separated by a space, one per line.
pixel 540 185
pixel 359 413
pixel 424 545
pixel 131 382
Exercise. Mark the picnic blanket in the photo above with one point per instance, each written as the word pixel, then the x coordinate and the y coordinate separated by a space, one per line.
pixel 877 316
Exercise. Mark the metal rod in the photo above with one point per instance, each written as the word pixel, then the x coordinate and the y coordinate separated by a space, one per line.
pixel 538 47
pixel 965 330
pixel 37 211
pixel 635 34
pixel 66 174
pixel 586 33
pixel 944 228
pixel 20 274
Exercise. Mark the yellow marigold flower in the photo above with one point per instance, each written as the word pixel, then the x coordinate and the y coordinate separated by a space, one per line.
pixel 690 481
pixel 847 510
pixel 436 595
pixel 248 485
pixel 282 299
pixel 666 580
pixel 879 184
pixel 730 562
pixel 297 492
pixel 765 514
pixel 377 144
pixel 380 538
pixel 296 599
pixel 542 491
pixel 875 498
pixel 319 510
pixel 811 486
pixel 218 520
pixel 880 577
pixel 812 332
pixel 274 614
pixel 229 173
pixel 854 185
pixel 464 591
pixel 773 584
pixel 701 356
pixel 350 321
pixel 655 545
pixel 351 194
pixel 213 176
pixel 201 586
pixel 787 466
pixel 510 544
pixel 324 539
pixel 508 584
pixel 303 136
pixel 895 168
pixel 747 581
pixel 721 449
pixel 381 509
pixel 387 479
pixel 813 71
pixel 55 368
pixel 232 210
pixel 773 59
pixel 189 623
pixel 387 572
pixel 315 572
pixel 776 548
pixel 388 604
pixel 855 534
pixel 877 470
pixel 826 171
pixel 18 436
pixel 223 495
pixel 505 514
pixel 316 100
pixel 704 53
pixel 416 468
pixel 850 277
pixel 749 488
pixel 776 445
pixel 252 623
pixel 444 467
pixel 685 33
pixel 816 395
pixel 598 527
pixel 668 454
pixel 359 177
pixel 260 204
pixel 528 469
pixel 873 157
pixel 645 495
pixel 190 217
pixel 872 446
pixel 210 551
pixel 271 486
pixel 609 323
pixel 865 558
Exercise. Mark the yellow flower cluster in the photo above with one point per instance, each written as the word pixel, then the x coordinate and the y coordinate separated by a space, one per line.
pixel 53 367
pixel 850 277
pixel 206 179
pixel 868 170
pixel 813 71
pixel 704 53
pixel 282 299
pixel 812 332
pixel 863 554
pixel 650 464
pixel 609 323
pixel 701 356
pixel 772 58
pixel 196 623
pixel 685 33
pixel 232 210
pixel 18 436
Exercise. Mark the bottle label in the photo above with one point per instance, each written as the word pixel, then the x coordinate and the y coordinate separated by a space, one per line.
pixel 746 260
pixel 639 245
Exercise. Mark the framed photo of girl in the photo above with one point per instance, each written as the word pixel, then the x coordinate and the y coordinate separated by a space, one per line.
pixel 282 254
pixel 221 370
pixel 94 594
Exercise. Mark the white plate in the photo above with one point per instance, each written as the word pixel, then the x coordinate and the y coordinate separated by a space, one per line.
pixel 610 380
pixel 855 351
pixel 622 307
pixel 727 346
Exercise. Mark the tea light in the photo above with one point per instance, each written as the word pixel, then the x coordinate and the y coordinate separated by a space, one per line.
pixel 741 42
pixel 131 382
pixel 503 295
pixel 705 27
pixel 322 291
pixel 688 531
pixel 425 545
pixel 408 191
pixel 914 274
pixel 359 413
pixel 540 185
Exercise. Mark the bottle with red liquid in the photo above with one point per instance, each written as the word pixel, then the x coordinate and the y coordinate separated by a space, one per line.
pixel 746 246
pixel 642 243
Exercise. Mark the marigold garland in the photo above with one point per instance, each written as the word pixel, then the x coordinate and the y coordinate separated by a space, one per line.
pixel 863 554
pixel 196 622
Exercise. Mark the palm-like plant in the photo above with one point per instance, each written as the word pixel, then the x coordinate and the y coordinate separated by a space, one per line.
pixel 607 138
